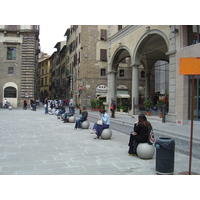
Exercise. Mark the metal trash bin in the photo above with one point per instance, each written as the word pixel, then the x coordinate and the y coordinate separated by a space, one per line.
pixel 165 148
pixel 34 107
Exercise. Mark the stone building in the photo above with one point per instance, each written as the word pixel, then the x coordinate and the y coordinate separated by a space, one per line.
pixel 150 48
pixel 86 64
pixel 19 47
pixel 45 69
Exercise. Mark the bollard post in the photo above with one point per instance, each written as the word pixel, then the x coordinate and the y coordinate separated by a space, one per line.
pixel 163 113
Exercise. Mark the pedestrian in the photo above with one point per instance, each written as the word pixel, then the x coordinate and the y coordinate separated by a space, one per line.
pixel 112 109
pixel 139 135
pixel 25 104
pixel 46 105
pixel 83 118
pixel 99 127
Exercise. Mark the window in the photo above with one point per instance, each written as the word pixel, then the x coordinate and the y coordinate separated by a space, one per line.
pixel 11 53
pixel 10 70
pixel 103 34
pixel 119 27
pixel 121 72
pixel 10 92
pixel 142 74
pixel 103 54
pixel 103 72
pixel 193 34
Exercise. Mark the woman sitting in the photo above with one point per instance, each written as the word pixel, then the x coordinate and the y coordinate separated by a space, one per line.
pixel 61 110
pixel 140 134
pixel 83 118
pixel 98 128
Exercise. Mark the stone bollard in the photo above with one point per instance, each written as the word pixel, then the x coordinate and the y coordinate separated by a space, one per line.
pixel 72 119
pixel 106 134
pixel 145 150
pixel 85 124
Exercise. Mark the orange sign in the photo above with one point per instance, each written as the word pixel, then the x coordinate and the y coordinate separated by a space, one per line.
pixel 190 66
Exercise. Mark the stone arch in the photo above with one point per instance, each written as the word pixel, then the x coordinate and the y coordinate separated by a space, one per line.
pixel 121 53
pixel 151 47
pixel 136 57
pixel 11 99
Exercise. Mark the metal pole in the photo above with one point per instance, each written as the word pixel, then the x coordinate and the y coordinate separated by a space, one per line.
pixel 163 113
pixel 191 130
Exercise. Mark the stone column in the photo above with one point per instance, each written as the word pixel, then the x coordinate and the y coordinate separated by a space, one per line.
pixel 135 90
pixel 111 95
pixel 171 116
pixel 147 85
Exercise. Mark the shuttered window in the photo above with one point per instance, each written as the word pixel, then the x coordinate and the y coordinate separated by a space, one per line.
pixel 103 34
pixel 103 54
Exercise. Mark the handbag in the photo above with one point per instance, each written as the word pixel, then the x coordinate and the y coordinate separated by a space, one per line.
pixel 151 138
pixel 45 105
pixel 99 122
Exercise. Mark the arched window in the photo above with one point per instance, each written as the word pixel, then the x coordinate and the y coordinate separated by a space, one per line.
pixel 10 92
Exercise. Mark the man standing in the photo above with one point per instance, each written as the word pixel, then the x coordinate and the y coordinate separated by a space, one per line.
pixel 112 109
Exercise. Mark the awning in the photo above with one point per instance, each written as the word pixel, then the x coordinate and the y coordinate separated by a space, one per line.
pixel 123 96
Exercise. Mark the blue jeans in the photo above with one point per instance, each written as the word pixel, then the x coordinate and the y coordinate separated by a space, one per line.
pixel 78 123
pixel 46 110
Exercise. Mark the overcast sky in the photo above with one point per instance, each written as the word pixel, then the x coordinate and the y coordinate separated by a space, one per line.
pixel 50 35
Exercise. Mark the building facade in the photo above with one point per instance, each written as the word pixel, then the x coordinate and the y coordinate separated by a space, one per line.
pixel 45 69
pixel 86 64
pixel 19 46
pixel 150 48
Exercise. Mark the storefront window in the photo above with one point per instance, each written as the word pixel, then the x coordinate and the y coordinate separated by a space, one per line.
pixel 196 97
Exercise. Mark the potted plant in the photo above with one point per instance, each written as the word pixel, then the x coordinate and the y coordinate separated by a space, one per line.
pixel 121 106
pixel 93 104
pixel 159 105
pixel 148 104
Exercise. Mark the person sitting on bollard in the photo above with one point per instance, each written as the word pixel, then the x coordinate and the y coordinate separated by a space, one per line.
pixel 66 116
pixel 139 135
pixel 83 118
pixel 98 127
pixel 61 110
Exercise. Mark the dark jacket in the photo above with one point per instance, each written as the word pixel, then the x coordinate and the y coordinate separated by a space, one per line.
pixel 142 132
pixel 84 116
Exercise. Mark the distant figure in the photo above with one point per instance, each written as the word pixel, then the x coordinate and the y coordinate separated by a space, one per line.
pixel 112 109
pixel 25 104
pixel 46 105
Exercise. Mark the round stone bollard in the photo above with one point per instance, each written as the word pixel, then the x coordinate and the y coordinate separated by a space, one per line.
pixel 10 107
pixel 106 134
pixel 145 150
pixel 72 119
pixel 85 124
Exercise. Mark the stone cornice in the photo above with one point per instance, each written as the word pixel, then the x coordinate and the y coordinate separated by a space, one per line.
pixel 122 33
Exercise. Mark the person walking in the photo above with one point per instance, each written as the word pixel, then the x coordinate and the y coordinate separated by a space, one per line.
pixel 139 135
pixel 25 104
pixel 112 109
pixel 46 105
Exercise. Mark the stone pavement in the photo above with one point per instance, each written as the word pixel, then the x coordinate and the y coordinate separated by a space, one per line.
pixel 32 143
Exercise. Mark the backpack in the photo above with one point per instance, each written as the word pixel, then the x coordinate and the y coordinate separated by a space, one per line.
pixel 151 138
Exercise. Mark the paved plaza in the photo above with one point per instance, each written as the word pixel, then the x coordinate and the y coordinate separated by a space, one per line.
pixel 34 143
